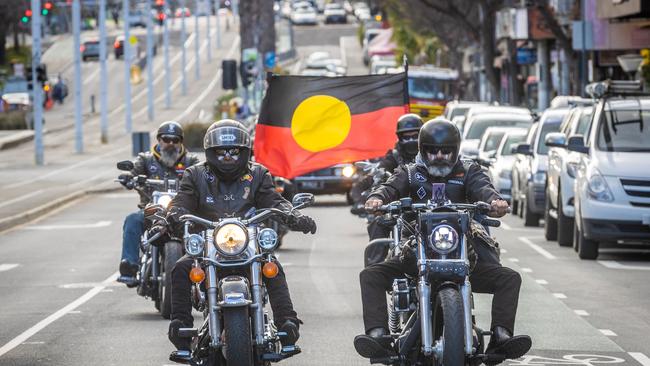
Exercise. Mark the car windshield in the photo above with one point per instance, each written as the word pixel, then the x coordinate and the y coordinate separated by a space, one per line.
pixel 458 111
pixel 428 88
pixel 548 127
pixel 512 141
pixel 625 130
pixel 91 45
pixel 16 86
pixel 477 127
pixel 492 141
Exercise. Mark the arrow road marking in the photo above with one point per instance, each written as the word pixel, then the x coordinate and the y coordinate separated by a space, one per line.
pixel 643 359
pixel 617 265
pixel 607 332
pixel 69 226
pixel 8 266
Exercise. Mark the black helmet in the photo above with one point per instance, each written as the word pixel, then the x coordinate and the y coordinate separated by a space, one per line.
pixel 407 127
pixel 439 135
pixel 409 122
pixel 227 134
pixel 170 128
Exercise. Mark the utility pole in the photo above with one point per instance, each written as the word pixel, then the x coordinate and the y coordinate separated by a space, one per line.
pixel 218 25
pixel 150 110
pixel 103 75
pixel 127 67
pixel 168 86
pixel 36 89
pixel 543 77
pixel 183 50
pixel 208 35
pixel 197 61
pixel 76 30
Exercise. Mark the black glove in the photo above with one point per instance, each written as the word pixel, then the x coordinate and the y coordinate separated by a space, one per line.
pixel 302 223
pixel 126 180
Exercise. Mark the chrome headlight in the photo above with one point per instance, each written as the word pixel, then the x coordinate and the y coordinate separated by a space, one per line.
pixel 267 239
pixel 230 239
pixel 164 200
pixel 194 245
pixel 443 239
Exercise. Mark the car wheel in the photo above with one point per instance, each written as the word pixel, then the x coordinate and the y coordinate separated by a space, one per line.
pixel 564 225
pixel 550 224
pixel 530 218
pixel 348 197
pixel 587 248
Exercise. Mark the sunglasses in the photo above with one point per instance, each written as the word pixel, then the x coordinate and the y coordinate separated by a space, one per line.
pixel 170 139
pixel 224 152
pixel 442 150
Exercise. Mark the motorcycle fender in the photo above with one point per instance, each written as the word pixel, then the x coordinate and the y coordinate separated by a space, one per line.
pixel 234 291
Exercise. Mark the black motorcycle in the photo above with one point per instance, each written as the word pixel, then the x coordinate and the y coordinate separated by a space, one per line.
pixel 430 314
pixel 153 279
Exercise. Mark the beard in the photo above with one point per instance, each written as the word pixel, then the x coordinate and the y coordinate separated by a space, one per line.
pixel 439 170
pixel 169 156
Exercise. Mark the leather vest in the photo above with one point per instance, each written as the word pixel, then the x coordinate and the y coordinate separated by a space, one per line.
pixel 422 184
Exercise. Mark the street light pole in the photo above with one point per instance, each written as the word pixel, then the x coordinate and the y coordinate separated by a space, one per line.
pixel 103 93
pixel 168 87
pixel 150 109
pixel 36 89
pixel 197 61
pixel 218 25
pixel 183 50
pixel 208 35
pixel 76 30
pixel 127 67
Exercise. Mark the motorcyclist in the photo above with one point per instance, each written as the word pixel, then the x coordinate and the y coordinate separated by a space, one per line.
pixel 404 152
pixel 465 182
pixel 229 185
pixel 167 159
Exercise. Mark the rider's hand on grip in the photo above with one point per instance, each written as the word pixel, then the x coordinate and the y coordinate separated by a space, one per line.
pixel 126 180
pixel 302 223
pixel 373 204
pixel 499 208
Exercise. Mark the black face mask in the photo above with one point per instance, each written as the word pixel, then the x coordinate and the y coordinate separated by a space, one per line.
pixel 228 170
pixel 409 147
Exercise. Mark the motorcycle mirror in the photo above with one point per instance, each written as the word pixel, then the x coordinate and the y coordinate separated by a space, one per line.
pixel 301 200
pixel 126 165
pixel 361 164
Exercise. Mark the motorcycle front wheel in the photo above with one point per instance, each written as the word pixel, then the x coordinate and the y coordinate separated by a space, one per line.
pixel 173 252
pixel 449 325
pixel 237 350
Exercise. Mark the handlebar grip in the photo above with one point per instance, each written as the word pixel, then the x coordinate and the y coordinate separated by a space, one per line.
pixel 490 222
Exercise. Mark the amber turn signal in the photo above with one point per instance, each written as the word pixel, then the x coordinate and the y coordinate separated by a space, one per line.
pixel 197 275
pixel 270 270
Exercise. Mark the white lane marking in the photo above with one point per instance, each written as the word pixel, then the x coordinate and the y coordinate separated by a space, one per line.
pixel 504 251
pixel 608 332
pixel 117 195
pixel 88 285
pixel 92 76
pixel 581 312
pixel 343 55
pixel 514 260
pixel 8 266
pixel 70 226
pixel 537 248
pixel 24 336
pixel 542 282
pixel 505 226
pixel 559 295
pixel 641 358
pixel 526 270
pixel 74 312
pixel 32 343
pixel 20 198
pixel 617 265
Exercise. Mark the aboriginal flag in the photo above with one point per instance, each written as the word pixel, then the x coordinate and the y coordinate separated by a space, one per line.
pixel 308 123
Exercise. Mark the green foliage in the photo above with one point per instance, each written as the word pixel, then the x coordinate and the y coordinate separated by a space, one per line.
pixel 14 120
pixel 360 31
pixel 22 56
pixel 194 133
pixel 420 46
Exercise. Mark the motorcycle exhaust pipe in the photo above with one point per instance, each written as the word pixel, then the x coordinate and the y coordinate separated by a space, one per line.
pixel 213 317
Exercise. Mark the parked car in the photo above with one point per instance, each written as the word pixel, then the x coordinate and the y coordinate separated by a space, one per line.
pixel 489 109
pixel 137 18
pixel 334 13
pixel 368 36
pixel 612 185
pixel 500 165
pixel 90 49
pixel 456 110
pixel 562 168
pixel 490 141
pixel 378 62
pixel 529 170
pixel 182 12
pixel 476 126
pixel 304 16
pixel 332 180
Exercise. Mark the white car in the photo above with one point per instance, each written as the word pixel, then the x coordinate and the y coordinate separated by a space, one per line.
pixel 334 13
pixel 378 62
pixel 500 167
pixel 476 126
pixel 612 202
pixel 562 167
pixel 487 147
pixel 304 16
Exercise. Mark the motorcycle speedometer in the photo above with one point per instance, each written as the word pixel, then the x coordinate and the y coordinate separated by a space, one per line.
pixel 443 239
pixel 194 245
pixel 267 239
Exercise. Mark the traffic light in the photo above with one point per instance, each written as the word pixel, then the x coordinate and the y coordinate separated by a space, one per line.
pixel 27 16
pixel 41 73
pixel 229 79
pixel 47 7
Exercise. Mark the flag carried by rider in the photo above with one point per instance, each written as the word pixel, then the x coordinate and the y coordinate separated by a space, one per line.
pixel 308 123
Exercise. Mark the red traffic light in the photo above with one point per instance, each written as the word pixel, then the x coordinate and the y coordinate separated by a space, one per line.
pixel 48 5
pixel 28 12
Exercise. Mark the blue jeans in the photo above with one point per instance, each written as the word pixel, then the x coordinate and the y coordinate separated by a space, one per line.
pixel 132 231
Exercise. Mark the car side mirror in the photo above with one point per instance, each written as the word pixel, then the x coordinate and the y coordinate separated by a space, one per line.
pixel 126 165
pixel 577 143
pixel 302 200
pixel 555 139
pixel 523 149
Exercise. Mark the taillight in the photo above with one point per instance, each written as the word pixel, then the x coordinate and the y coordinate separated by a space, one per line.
pixel 82 48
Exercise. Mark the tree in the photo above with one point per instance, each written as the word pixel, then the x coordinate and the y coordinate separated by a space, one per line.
pixel 10 13
pixel 257 19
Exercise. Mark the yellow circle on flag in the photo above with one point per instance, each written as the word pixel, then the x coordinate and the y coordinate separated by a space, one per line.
pixel 321 122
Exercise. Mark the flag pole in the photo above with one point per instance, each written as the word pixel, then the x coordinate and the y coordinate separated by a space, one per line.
pixel 407 100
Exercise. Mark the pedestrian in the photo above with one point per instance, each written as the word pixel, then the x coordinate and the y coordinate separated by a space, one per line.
pixel 116 16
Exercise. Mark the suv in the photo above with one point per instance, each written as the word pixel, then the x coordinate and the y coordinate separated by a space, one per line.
pixel 336 179
pixel 562 166
pixel 529 170
pixel 612 201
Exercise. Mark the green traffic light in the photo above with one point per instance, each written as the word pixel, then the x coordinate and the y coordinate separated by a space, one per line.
pixel 45 11
pixel 24 19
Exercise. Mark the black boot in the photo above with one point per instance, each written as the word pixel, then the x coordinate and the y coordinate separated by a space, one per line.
pixel 503 343
pixel 128 271
pixel 375 344
pixel 290 328
pixel 178 342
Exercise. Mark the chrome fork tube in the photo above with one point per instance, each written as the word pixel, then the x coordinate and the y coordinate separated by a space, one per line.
pixel 258 304
pixel 466 295
pixel 424 289
pixel 213 316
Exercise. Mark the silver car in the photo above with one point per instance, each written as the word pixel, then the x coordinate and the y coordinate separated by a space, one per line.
pixel 500 165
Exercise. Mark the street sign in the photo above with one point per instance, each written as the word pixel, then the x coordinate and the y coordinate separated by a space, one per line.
pixel 133 40
pixel 269 60
pixel 249 54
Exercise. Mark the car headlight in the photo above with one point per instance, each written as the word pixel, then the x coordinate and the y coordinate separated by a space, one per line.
pixel 597 187
pixel 571 169
pixel 230 239
pixel 194 245
pixel 539 178
pixel 505 174
pixel 348 171
pixel 443 239
pixel 267 239
pixel 164 200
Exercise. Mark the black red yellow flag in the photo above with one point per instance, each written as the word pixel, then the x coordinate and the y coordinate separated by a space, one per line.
pixel 308 123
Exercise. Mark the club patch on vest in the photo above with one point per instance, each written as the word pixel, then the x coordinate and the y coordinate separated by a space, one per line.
pixel 455 181
pixel 421 192
pixel 208 176
pixel 209 199
pixel 247 177
pixel 419 177
pixel 152 168
pixel 247 191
